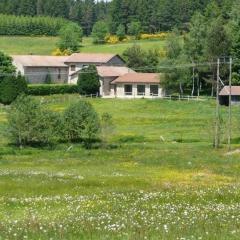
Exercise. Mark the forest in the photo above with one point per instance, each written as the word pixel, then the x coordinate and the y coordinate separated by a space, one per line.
pixel 154 15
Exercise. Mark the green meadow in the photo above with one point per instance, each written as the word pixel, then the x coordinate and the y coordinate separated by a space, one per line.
pixel 46 45
pixel 157 178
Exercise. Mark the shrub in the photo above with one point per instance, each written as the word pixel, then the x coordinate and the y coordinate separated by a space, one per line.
pixel 58 52
pixel 50 89
pixel 29 123
pixel 11 87
pixel 160 36
pixel 48 79
pixel 111 39
pixel 81 123
pixel 88 81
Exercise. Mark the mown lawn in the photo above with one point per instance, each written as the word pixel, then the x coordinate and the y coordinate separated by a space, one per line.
pixel 159 178
pixel 46 45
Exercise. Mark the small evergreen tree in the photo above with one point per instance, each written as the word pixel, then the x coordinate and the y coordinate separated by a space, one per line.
pixel 88 80
pixel 48 79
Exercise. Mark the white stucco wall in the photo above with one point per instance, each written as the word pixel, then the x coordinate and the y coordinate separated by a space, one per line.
pixel 121 94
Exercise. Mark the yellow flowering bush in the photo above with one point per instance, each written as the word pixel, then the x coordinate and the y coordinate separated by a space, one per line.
pixel 161 36
pixel 111 39
pixel 58 52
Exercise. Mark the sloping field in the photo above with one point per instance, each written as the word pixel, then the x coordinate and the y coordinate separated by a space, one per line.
pixel 46 45
pixel 159 178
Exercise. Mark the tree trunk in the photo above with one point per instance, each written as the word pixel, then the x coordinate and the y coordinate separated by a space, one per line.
pixel 193 82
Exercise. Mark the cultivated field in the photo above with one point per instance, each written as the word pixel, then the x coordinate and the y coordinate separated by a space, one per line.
pixel 159 178
pixel 46 45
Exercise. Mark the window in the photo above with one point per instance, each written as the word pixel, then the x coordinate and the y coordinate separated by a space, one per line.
pixel 141 90
pixel 154 90
pixel 128 89
pixel 73 68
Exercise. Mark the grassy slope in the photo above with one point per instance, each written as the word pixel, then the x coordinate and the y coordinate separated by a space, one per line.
pixel 145 187
pixel 46 45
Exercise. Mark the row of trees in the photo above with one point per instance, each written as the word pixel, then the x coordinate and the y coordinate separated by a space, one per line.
pixel 31 123
pixel 153 15
pixel 27 25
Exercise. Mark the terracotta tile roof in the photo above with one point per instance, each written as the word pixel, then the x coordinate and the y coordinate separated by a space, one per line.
pixel 226 91
pixel 138 78
pixel 109 71
pixel 90 58
pixel 40 61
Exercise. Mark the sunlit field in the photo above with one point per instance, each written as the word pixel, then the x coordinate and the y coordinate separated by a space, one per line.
pixel 157 178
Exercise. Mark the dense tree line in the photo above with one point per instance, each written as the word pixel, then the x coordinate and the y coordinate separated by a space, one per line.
pixel 154 15
pixel 212 34
pixel 27 25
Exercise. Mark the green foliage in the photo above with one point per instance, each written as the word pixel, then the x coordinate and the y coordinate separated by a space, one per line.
pixel 10 84
pixel 50 89
pixel 121 34
pixel 88 80
pixel 141 60
pixel 26 25
pixel 6 66
pixel 29 123
pixel 99 32
pixel 134 29
pixel 70 37
pixel 81 122
pixel 217 43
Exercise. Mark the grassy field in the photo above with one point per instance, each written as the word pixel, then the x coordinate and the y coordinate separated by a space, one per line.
pixel 159 179
pixel 46 45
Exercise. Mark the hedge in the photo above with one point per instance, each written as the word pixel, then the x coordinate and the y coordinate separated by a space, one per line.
pixel 30 26
pixel 50 89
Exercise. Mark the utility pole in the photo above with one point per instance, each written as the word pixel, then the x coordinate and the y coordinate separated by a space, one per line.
pixel 217 130
pixel 230 106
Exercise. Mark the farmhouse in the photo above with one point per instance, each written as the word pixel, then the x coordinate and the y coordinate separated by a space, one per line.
pixel 116 79
pixel 225 92
pixel 61 69
pixel 137 85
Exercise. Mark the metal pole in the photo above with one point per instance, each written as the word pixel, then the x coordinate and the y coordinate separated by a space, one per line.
pixel 230 107
pixel 216 144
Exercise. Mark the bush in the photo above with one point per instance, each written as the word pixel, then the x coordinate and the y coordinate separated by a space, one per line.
pixel 81 123
pixel 29 123
pixel 111 39
pixel 11 87
pixel 88 81
pixel 50 89
pixel 160 36
pixel 58 52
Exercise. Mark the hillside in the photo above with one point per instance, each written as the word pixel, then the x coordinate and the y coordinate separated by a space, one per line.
pixel 160 178
pixel 46 45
